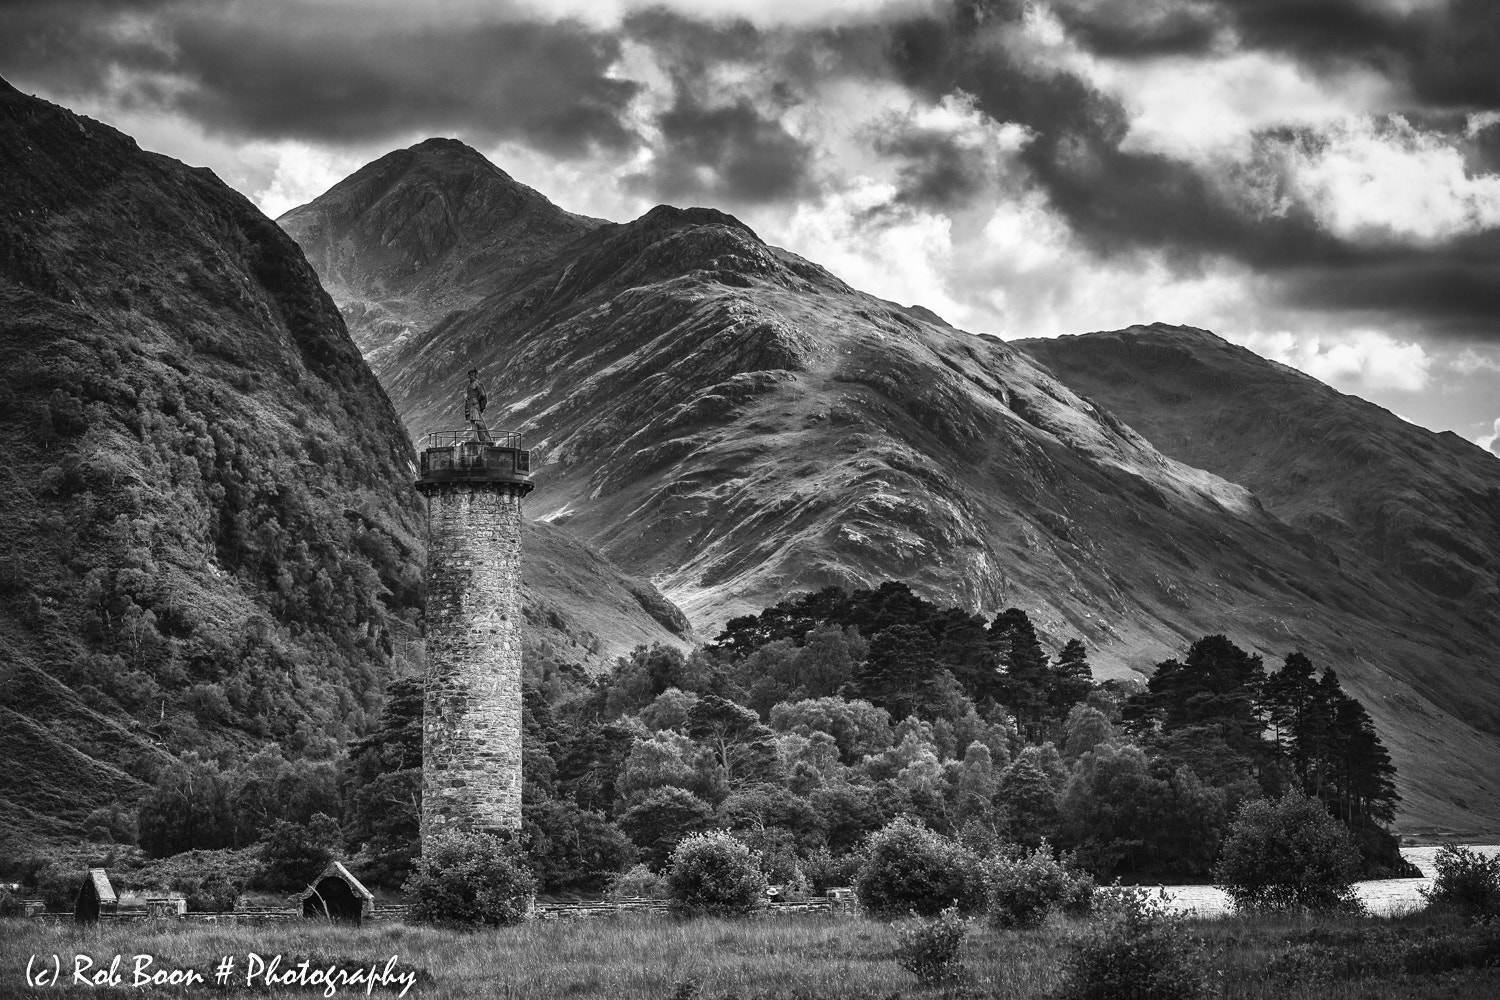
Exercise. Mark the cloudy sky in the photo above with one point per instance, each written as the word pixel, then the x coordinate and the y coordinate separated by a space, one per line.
pixel 1316 179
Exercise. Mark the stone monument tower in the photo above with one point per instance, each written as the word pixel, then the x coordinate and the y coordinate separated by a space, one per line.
pixel 471 719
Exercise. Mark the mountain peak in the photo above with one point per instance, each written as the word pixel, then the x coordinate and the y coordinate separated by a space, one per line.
pixel 422 231
pixel 672 217
pixel 446 144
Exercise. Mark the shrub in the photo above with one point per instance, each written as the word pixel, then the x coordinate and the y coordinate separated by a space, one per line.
pixel 712 873
pixel 911 868
pixel 468 879
pixel 57 885
pixel 825 870
pixel 660 821
pixel 1023 889
pixel 10 903
pixel 572 848
pixel 1288 854
pixel 1137 951
pixel 639 882
pixel 1467 883
pixel 111 825
pixel 292 855
pixel 928 948
pixel 215 894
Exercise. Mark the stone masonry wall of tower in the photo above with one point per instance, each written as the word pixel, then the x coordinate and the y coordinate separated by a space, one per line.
pixel 471 733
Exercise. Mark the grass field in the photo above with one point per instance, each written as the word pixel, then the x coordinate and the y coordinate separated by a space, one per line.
pixel 838 958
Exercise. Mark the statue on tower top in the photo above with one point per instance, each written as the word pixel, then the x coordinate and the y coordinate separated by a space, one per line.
pixel 475 400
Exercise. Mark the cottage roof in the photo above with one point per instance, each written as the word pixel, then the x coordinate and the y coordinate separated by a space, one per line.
pixel 337 869
pixel 102 888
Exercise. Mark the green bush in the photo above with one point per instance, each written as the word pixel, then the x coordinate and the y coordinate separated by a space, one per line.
pixel 1467 883
pixel 1137 950
pixel 1288 854
pixel 469 879
pixel 215 894
pixel 57 884
pixel 292 855
pixel 639 882
pixel 572 848
pixel 826 870
pixel 713 873
pixel 1023 889
pixel 911 868
pixel 10 904
pixel 928 947
pixel 111 825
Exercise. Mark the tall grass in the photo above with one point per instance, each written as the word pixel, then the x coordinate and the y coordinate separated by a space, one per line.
pixel 805 958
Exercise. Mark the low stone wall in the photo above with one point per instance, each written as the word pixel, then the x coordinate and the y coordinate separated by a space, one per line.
pixel 256 917
pixel 585 910
pixel 579 910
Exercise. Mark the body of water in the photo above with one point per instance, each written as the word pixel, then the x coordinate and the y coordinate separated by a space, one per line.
pixel 1382 896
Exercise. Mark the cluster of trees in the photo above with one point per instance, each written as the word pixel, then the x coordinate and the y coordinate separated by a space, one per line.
pixel 806 728
pixel 809 727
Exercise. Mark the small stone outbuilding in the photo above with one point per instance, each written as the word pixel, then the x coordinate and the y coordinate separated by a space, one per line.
pixel 95 896
pixel 337 895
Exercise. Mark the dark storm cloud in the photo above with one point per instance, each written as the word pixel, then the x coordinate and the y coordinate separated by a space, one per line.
pixel 724 151
pixel 1456 61
pixel 1135 29
pixel 1455 289
pixel 714 145
pixel 1124 201
pixel 937 172
pixel 545 83
pixel 334 74
pixel 1321 29
pixel 1446 54
pixel 1119 201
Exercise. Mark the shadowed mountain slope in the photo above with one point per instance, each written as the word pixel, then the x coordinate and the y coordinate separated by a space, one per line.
pixel 420 232
pixel 1425 506
pixel 209 538
pixel 738 424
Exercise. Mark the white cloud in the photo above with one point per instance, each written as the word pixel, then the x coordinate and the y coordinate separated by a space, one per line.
pixel 1382 181
pixel 302 173
pixel 1209 109
pixel 1358 361
pixel 904 259
pixel 1490 442
pixel 1471 362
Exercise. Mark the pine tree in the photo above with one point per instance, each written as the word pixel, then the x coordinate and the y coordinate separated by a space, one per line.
pixel 1025 681
pixel 1028 796
pixel 1369 777
pixel 1286 697
pixel 1071 679
pixel 897 669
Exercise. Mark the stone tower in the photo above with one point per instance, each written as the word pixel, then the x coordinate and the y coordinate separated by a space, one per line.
pixel 471 719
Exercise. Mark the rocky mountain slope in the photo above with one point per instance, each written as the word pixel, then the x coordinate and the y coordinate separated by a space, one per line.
pixel 209 538
pixel 420 232
pixel 736 423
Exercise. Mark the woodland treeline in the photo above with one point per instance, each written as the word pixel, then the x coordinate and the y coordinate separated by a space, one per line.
pixel 811 725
